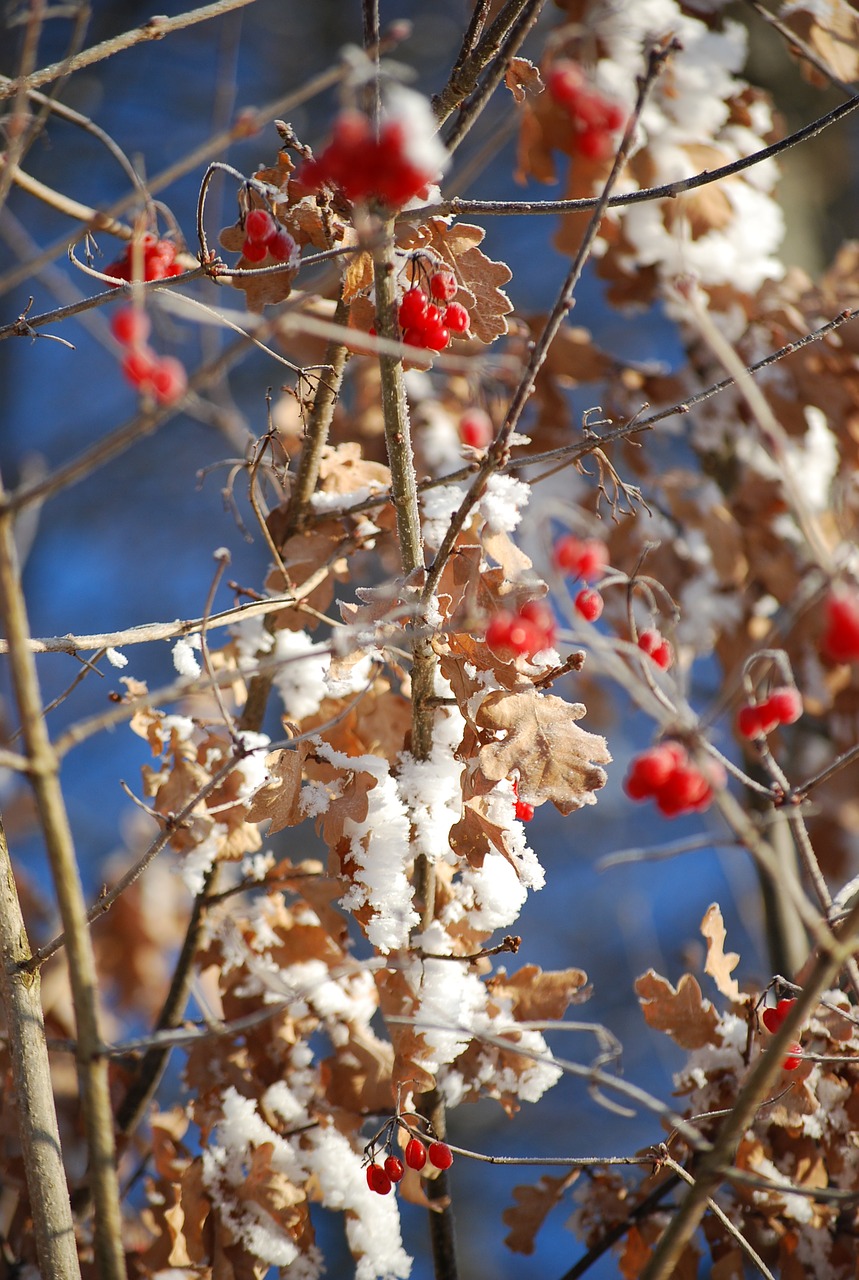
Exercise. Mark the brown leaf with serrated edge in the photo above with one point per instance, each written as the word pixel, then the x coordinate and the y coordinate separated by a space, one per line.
pixel 719 963
pixel 522 78
pixel 531 1208
pixel 537 995
pixel 684 1014
pixel 556 759
pixel 358 1076
pixel 278 799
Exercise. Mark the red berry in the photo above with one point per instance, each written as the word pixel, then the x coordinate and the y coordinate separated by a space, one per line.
pixel 435 337
pixel 840 639
pixel 785 704
pixel 138 366
pixel 416 1153
pixel 281 246
pixel 686 789
pixel 130 326
pixel 594 144
pixel 774 1016
pixel 260 226
pixel 584 558
pixel 169 380
pixel 456 317
pixel 443 285
pixel 650 771
pixel 794 1057
pixel 378 1180
pixel 440 1155
pixel 476 429
pixel 656 647
pixel 524 811
pixel 565 83
pixel 538 612
pixel 749 721
pixel 589 603
pixel 254 250
pixel 394 1168
pixel 412 308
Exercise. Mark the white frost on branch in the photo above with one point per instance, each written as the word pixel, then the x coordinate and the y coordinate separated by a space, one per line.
pixel 183 656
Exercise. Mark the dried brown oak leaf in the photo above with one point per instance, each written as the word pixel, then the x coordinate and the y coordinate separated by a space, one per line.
pixel 832 31
pixel 556 760
pixel 538 996
pixel 478 277
pixel 720 964
pixel 684 1014
pixel 278 799
pixel 522 78
pixel 532 1206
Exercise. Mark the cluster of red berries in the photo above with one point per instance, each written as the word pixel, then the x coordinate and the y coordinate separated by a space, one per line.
pixel 595 118
pixel 772 1018
pixel 157 258
pixel 476 428
pixel 265 239
pixel 840 639
pixel 757 719
pixel 366 167
pixel 528 631
pixel 524 811
pixel 162 377
pixel 430 323
pixel 654 644
pixel 667 775
pixel 381 1177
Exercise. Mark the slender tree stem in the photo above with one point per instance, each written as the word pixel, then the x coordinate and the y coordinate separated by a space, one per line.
pixel 44 775
pixel 36 1114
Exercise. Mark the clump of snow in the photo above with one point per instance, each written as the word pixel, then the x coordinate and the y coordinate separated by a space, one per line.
pixel 503 503
pixel 115 658
pixel 183 656
pixel 300 675
pixel 421 142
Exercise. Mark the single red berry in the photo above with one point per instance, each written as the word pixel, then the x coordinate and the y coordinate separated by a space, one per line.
pixel 440 1155
pixel 394 1168
pixel 378 1180
pixel 524 811
pixel 456 317
pixel 840 639
pixel 281 246
pixel 435 337
pixel 260 225
pixel 538 612
pixel 686 790
pixel 785 704
pixel 412 308
pixel 169 380
pixel 589 603
pixel 443 285
pixel 794 1057
pixel 416 1153
pixel 476 429
pixel 525 636
pixel 565 83
pixel 594 144
pixel 254 250
pixel 773 1016
pixel 663 655
pixel 650 771
pixel 749 721
pixel 130 326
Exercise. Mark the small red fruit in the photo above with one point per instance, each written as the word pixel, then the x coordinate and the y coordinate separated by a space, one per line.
pixel 281 246
pixel 785 704
pixel 476 429
pixel 378 1180
pixel 589 603
pixel 416 1153
pixel 139 365
pixel 584 558
pixel 653 643
pixel 443 285
pixel 840 639
pixel 413 307
pixel 524 811
pixel 774 1016
pixel 260 225
pixel 394 1168
pixel 440 1155
pixel 254 250
pixel 794 1057
pixel 169 380
pixel 456 317
pixel 130 326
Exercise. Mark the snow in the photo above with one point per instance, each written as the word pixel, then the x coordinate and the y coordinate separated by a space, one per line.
pixel 115 658
pixel 183 656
